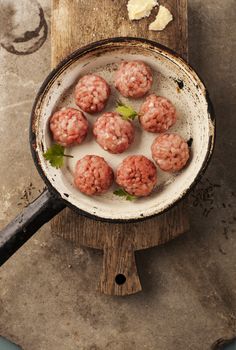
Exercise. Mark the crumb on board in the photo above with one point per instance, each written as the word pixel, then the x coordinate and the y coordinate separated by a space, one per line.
pixel 138 9
pixel 163 18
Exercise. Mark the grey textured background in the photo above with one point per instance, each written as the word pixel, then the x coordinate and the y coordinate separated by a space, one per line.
pixel 47 289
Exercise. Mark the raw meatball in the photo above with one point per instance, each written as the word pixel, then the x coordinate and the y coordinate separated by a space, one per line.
pixel 92 93
pixel 133 79
pixel 157 114
pixel 93 175
pixel 170 152
pixel 137 175
pixel 113 133
pixel 68 126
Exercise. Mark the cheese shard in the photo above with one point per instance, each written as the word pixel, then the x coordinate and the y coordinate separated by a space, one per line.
pixel 138 9
pixel 163 17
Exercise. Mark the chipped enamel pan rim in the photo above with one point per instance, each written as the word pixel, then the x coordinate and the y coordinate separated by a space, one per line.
pixel 149 209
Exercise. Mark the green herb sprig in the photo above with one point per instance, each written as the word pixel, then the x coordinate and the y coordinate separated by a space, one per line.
pixel 122 193
pixel 55 155
pixel 126 112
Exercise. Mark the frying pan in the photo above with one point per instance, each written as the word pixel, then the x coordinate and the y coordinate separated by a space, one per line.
pixel 173 78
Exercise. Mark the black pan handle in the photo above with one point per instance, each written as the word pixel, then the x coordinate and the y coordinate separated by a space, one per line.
pixel 37 213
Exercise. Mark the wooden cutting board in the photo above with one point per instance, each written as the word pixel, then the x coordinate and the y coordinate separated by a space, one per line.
pixel 76 23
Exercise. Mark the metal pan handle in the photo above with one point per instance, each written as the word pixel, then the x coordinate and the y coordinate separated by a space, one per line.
pixel 17 232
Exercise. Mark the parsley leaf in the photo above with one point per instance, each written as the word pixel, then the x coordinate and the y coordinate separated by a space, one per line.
pixel 122 193
pixel 55 155
pixel 126 112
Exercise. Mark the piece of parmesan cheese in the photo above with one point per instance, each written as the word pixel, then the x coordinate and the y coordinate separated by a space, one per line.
pixel 163 17
pixel 140 8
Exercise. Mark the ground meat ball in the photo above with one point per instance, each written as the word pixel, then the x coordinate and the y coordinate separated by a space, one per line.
pixel 113 133
pixel 93 175
pixel 68 126
pixel 170 152
pixel 137 175
pixel 133 79
pixel 157 114
pixel 92 93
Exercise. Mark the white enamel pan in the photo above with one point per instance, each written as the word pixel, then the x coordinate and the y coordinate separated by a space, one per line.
pixel 173 78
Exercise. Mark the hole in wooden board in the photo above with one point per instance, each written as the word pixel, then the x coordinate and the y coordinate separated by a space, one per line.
pixel 120 279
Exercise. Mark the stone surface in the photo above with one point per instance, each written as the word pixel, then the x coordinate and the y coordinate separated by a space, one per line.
pixel 48 297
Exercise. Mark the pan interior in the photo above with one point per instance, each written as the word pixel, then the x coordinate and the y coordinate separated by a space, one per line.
pixel 172 79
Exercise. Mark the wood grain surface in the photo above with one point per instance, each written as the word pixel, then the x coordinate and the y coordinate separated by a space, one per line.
pixel 76 23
